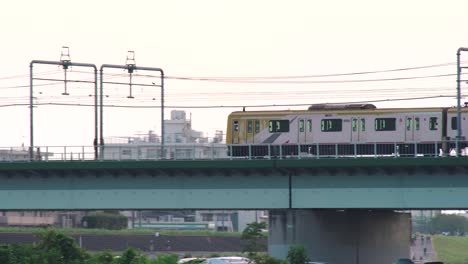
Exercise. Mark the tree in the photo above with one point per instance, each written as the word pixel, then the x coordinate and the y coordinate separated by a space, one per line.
pixel 448 223
pixel 297 255
pixel 253 235
pixel 60 248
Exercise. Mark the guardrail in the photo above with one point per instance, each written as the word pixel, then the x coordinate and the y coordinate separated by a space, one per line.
pixel 211 151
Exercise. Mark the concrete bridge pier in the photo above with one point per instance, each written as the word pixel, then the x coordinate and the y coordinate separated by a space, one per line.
pixel 341 237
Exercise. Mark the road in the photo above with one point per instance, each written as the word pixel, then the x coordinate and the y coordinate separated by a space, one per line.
pixel 422 249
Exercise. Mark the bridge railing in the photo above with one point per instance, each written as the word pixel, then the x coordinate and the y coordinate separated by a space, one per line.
pixel 211 151
pixel 355 150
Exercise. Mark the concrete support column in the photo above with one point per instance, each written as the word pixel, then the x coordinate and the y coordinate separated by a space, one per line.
pixel 341 237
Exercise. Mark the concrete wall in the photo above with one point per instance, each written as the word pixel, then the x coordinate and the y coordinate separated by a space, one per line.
pixel 341 237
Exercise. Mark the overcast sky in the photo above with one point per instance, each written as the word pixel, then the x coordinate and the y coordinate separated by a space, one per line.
pixel 220 39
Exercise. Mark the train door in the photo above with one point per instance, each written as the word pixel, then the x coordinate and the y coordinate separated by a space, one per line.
pixel 250 132
pixel 409 128
pixel 256 130
pixel 417 129
pixel 305 131
pixel 358 129
pixel 302 131
pixel 309 134
pixel 235 132
pixel 253 128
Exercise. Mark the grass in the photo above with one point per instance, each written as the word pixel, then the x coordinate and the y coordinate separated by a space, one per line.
pixel 121 232
pixel 451 249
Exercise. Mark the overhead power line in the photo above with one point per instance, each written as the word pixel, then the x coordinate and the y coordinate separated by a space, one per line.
pixel 272 82
pixel 221 106
pixel 309 81
pixel 252 77
pixel 316 75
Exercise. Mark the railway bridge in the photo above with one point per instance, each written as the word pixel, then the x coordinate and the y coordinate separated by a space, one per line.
pixel 349 210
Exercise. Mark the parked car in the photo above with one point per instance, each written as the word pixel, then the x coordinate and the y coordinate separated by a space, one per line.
pixel 228 260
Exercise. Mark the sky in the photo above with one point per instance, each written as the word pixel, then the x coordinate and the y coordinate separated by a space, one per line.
pixel 229 44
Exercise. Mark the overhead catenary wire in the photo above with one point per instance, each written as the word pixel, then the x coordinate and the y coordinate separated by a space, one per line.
pixel 267 92
pixel 233 78
pixel 271 82
pixel 222 106
pixel 307 76
pixel 249 95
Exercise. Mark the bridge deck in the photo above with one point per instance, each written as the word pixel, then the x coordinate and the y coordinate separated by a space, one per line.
pixel 412 183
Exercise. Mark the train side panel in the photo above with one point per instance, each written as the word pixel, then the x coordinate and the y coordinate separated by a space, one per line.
pixel 312 127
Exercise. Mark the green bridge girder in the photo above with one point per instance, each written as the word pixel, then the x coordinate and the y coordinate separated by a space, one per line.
pixel 374 183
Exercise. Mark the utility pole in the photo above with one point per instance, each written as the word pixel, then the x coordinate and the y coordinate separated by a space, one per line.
pixel 459 123
pixel 130 66
pixel 65 62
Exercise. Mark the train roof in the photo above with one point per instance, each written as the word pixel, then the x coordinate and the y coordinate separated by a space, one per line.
pixel 324 107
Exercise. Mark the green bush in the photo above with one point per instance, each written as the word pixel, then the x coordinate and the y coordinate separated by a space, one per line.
pixel 53 248
pixel 266 259
pixel 165 259
pixel 105 221
pixel 297 255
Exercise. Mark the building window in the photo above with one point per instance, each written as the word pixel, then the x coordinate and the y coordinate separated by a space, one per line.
pixel 126 152
pixel 385 124
pixel 301 125
pixel 363 124
pixel 279 126
pixel 416 123
pixel 354 124
pixel 331 125
pixel 309 125
pixel 249 126
pixel 433 125
pixel 222 217
pixel 207 217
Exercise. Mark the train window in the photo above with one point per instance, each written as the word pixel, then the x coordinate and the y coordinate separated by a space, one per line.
pixel 454 123
pixel 363 124
pixel 416 123
pixel 354 124
pixel 236 125
pixel 249 126
pixel 331 125
pixel 279 126
pixel 301 125
pixel 309 125
pixel 385 124
pixel 409 123
pixel 433 125
pixel 257 126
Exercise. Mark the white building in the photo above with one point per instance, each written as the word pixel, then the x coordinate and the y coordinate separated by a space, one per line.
pixel 230 221
pixel 181 142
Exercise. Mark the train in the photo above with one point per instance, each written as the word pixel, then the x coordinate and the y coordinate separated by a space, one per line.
pixel 346 129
